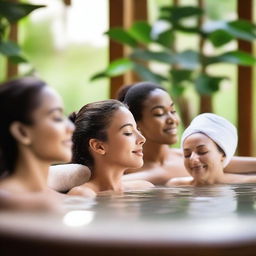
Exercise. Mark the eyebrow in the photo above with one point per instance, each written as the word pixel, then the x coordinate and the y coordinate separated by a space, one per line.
pixel 125 126
pixel 160 106
pixel 59 109
pixel 200 146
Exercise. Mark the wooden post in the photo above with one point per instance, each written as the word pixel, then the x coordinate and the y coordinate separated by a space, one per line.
pixel 245 89
pixel 205 100
pixel 122 13
pixel 12 69
pixel 67 2
pixel 135 11
pixel 116 50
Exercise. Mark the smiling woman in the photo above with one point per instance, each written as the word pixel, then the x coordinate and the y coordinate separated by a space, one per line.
pixel 208 144
pixel 33 135
pixel 106 139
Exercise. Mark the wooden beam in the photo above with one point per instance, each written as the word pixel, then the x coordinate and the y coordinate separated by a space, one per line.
pixel 123 13
pixel 12 69
pixel 67 2
pixel 116 50
pixel 245 88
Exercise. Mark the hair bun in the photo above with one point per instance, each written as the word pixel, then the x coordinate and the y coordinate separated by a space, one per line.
pixel 72 117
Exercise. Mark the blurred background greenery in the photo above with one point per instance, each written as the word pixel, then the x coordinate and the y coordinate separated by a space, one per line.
pixel 65 46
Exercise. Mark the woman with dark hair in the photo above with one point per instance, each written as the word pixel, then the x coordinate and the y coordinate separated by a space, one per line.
pixel 154 112
pixel 156 117
pixel 106 140
pixel 33 135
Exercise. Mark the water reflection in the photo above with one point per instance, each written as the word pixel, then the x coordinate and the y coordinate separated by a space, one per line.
pixel 78 218
pixel 177 203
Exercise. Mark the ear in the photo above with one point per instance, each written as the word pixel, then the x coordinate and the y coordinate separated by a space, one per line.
pixel 20 133
pixel 223 157
pixel 97 146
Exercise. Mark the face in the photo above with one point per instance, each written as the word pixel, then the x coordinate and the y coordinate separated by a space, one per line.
pixel 202 158
pixel 124 143
pixel 51 132
pixel 159 119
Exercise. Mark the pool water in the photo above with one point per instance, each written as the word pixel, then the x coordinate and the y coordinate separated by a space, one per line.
pixel 221 217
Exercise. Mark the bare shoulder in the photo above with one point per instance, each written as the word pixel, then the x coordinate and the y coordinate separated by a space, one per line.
pixel 82 191
pixel 176 151
pixel 137 184
pixel 32 201
pixel 179 181
pixel 63 177
pixel 239 178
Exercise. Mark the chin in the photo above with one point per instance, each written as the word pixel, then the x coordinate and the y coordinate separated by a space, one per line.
pixel 65 158
pixel 137 164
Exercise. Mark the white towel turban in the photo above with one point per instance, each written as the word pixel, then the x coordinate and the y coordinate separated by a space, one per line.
pixel 220 130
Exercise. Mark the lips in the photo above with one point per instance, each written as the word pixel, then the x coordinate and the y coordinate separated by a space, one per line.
pixel 197 167
pixel 138 152
pixel 169 130
pixel 68 143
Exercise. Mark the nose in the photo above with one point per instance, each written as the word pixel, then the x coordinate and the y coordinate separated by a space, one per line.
pixel 70 126
pixel 194 158
pixel 170 118
pixel 140 139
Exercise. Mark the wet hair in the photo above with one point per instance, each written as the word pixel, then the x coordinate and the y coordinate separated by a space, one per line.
pixel 19 98
pixel 134 96
pixel 91 122
pixel 120 95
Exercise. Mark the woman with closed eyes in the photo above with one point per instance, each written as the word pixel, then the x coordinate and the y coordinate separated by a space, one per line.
pixel 33 135
pixel 208 145
pixel 106 140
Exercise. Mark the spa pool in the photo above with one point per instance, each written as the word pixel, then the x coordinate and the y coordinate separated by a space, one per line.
pixel 216 220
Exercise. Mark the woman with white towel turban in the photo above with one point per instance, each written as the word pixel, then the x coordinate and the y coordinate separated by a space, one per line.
pixel 208 145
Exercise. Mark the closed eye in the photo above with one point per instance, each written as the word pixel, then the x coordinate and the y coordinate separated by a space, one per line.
pixel 203 153
pixel 127 133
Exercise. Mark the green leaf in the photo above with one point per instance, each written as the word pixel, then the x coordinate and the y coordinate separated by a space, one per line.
pixel 141 31
pixel 99 76
pixel 242 29
pixel 121 36
pixel 147 75
pixel 166 38
pixel 17 59
pixel 188 59
pixel 119 67
pixel 233 57
pixel 180 75
pixel 9 48
pixel 220 37
pixel 207 85
pixel 115 68
pixel 146 55
pixel 176 13
pixel 15 11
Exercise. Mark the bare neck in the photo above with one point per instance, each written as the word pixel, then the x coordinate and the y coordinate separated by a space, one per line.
pixel 155 153
pixel 217 178
pixel 106 177
pixel 30 172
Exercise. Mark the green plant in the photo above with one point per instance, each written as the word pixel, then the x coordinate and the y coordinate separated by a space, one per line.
pixel 11 13
pixel 155 43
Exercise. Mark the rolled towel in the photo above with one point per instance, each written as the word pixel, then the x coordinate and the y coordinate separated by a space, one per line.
pixel 220 130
